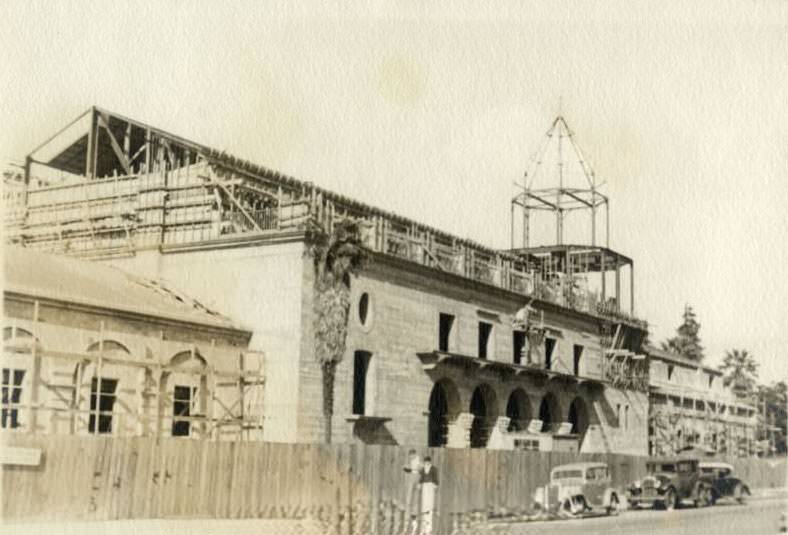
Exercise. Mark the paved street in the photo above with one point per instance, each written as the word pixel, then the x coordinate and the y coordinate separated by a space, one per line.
pixel 755 518
pixel 759 516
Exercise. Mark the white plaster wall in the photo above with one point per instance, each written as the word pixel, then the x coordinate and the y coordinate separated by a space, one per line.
pixel 260 288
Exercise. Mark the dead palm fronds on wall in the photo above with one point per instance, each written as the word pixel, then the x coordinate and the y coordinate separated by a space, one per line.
pixel 337 256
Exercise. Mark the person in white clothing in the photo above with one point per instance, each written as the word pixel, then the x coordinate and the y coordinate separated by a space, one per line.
pixel 429 485
pixel 412 499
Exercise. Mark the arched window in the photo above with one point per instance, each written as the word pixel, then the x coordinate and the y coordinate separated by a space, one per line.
pixel 15 378
pixel 103 386
pixel 185 390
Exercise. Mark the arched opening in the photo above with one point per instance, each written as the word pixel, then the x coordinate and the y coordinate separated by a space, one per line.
pixel 548 411
pixel 102 379
pixel 109 347
pixel 578 416
pixel 518 410
pixel 15 378
pixel 483 411
pixel 10 333
pixel 184 393
pixel 442 406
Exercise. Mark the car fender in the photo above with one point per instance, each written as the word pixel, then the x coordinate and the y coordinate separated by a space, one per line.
pixel 608 496
pixel 675 490
pixel 539 496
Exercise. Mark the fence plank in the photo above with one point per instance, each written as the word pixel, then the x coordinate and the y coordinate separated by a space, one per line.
pixel 146 477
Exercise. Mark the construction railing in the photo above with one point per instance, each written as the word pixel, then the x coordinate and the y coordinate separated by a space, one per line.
pixel 211 200
pixel 101 392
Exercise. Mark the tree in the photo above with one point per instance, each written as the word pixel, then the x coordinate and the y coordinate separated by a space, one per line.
pixel 740 369
pixel 772 402
pixel 337 255
pixel 686 342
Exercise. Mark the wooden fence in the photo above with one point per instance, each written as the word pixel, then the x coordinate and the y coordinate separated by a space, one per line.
pixel 347 488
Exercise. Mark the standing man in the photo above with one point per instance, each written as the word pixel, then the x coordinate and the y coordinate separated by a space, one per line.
pixel 412 499
pixel 429 486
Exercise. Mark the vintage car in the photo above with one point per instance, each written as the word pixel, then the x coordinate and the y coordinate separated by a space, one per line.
pixel 723 483
pixel 670 482
pixel 578 488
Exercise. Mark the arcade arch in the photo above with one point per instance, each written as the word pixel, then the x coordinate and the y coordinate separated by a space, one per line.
pixel 518 410
pixel 483 409
pixel 443 407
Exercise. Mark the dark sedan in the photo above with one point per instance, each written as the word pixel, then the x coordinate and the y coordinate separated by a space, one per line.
pixel 723 483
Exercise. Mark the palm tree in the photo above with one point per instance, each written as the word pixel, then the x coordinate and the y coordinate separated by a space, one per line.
pixel 740 370
pixel 337 255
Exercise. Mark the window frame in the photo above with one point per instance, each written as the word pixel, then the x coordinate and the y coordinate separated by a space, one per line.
pixel 103 425
pixel 178 420
pixel 449 335
pixel 12 392
pixel 485 335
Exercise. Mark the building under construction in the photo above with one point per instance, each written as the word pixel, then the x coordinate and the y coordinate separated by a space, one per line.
pixel 448 342
pixel 91 350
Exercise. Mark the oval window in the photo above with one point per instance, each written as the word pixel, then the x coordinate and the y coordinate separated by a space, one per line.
pixel 363 309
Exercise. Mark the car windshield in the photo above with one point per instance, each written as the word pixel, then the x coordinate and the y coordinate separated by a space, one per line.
pixel 686 466
pixel 567 474
pixel 597 473
pixel 660 467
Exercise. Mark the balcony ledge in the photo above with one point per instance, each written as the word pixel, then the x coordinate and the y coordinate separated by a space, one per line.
pixel 432 359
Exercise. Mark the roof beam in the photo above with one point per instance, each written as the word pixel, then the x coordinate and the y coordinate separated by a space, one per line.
pixel 578 199
pixel 543 201
pixel 115 145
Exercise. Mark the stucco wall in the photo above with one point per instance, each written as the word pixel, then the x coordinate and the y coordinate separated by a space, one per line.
pixel 146 343
pixel 259 287
pixel 404 306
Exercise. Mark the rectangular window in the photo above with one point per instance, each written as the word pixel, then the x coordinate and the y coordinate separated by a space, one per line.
pixel 670 371
pixel 618 414
pixel 626 417
pixel 101 419
pixel 518 346
pixel 578 356
pixel 445 324
pixel 485 331
pixel 549 346
pixel 360 369
pixel 526 444
pixel 12 394
pixel 183 398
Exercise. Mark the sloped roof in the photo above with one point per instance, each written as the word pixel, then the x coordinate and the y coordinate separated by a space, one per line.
pixel 63 278
pixel 669 356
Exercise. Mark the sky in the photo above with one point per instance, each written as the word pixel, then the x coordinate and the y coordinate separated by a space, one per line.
pixel 433 111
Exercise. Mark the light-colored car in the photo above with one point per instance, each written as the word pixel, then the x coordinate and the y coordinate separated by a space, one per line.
pixel 579 488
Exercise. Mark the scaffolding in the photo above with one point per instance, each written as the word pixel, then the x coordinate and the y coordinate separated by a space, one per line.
pixel 64 392
pixel 127 186
pixel 559 199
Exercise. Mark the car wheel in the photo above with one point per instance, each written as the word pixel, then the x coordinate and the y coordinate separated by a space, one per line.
pixel 702 497
pixel 612 509
pixel 738 493
pixel 670 500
